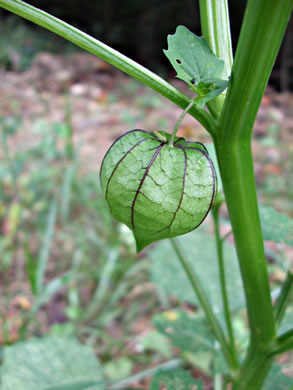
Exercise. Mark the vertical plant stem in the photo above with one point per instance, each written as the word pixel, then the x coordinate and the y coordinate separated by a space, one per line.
pixel 215 25
pixel 254 370
pixel 223 281
pixel 261 35
pixel 44 254
pixel 283 299
pixel 239 187
pixel 200 293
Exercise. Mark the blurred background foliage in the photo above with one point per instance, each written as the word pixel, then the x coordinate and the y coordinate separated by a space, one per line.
pixel 66 267
pixel 135 27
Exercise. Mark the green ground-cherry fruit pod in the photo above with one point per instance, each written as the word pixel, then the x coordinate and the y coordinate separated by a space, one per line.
pixel 159 191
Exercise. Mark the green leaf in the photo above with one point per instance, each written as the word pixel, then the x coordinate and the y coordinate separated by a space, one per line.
pixel 119 368
pixel 175 379
pixel 196 64
pixel 276 227
pixel 155 341
pixel 186 331
pixel 191 333
pixel 158 191
pixel 200 250
pixel 277 380
pixel 52 363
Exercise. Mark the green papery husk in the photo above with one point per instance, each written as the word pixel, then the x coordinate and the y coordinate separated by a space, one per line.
pixel 158 190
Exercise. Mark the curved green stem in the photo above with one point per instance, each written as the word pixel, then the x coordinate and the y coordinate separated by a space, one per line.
pixel 223 281
pixel 179 121
pixel 108 54
pixel 196 286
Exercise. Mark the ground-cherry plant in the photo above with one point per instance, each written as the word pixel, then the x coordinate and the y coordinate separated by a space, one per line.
pixel 162 186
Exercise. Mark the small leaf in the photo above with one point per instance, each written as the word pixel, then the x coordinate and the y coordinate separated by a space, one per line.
pixel 276 227
pixel 159 191
pixel 176 379
pixel 277 380
pixel 52 363
pixel 196 64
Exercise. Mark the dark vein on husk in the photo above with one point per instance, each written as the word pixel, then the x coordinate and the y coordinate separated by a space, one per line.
pixel 214 183
pixel 121 159
pixel 187 143
pixel 118 139
pixel 178 140
pixel 142 181
pixel 181 197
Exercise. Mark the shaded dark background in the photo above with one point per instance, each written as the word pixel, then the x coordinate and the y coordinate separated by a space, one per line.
pixel 139 28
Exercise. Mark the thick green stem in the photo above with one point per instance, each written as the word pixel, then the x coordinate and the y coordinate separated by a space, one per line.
pixel 236 166
pixel 179 121
pixel 108 54
pixel 254 370
pixel 196 286
pixel 261 35
pixel 223 282
pixel 283 299
pixel 215 25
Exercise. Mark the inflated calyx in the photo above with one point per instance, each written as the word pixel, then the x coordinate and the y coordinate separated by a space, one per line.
pixel 158 190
